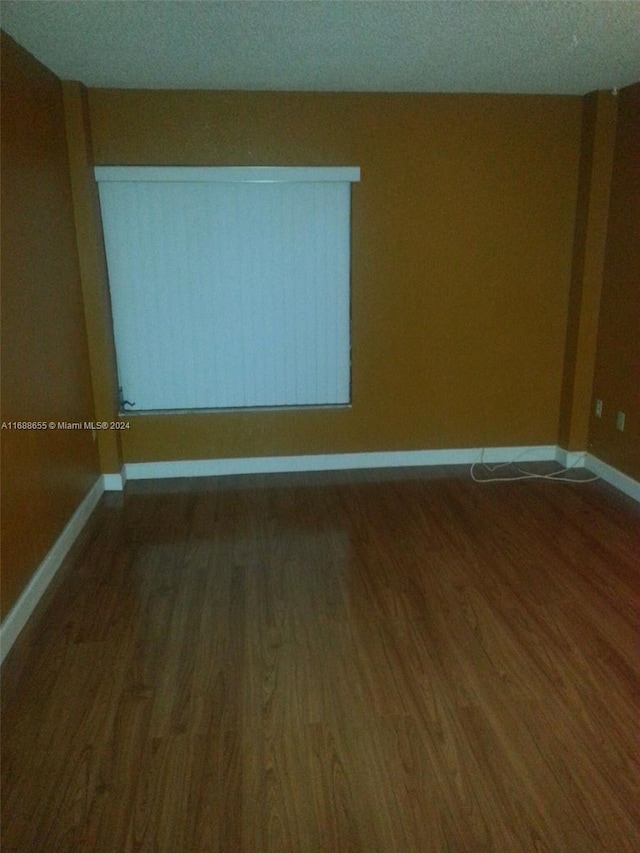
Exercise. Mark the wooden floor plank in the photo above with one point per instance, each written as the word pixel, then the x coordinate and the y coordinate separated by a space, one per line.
pixel 371 661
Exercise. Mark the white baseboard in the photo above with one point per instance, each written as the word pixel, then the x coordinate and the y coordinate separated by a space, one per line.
pixel 384 459
pixel 17 617
pixel 570 458
pixel 114 482
pixel 611 475
pixel 334 462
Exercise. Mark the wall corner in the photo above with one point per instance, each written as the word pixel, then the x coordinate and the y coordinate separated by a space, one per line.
pixel 93 271
pixel 592 211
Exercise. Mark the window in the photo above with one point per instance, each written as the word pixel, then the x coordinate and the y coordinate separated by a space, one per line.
pixel 229 286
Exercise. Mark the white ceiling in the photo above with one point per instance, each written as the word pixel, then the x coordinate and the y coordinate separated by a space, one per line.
pixel 341 45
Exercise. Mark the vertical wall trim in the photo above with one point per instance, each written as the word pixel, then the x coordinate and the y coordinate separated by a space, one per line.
pixel 93 272
pixel 592 211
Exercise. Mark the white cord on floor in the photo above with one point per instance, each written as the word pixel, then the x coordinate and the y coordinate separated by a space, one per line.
pixel 526 475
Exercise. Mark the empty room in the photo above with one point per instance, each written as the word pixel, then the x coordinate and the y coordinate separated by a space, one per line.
pixel 320 426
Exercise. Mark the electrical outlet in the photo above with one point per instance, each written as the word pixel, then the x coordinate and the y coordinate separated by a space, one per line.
pixel 598 408
pixel 620 421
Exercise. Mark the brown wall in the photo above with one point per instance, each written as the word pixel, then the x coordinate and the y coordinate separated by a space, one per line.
pixel 461 258
pixel 616 380
pixel 466 276
pixel 45 369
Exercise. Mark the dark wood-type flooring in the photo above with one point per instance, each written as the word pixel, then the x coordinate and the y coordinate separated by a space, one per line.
pixel 401 661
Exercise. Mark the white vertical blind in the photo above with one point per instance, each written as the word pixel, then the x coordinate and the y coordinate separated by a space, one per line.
pixel 229 288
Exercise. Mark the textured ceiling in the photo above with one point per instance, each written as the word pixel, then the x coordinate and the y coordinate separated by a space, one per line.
pixel 357 45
